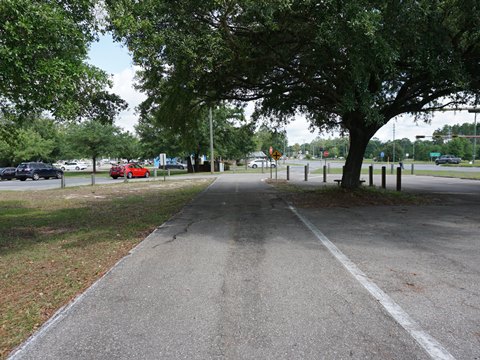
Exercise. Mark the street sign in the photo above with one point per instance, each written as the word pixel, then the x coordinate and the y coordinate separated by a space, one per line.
pixel 325 153
pixel 434 154
pixel 163 159
pixel 276 155
pixel 270 150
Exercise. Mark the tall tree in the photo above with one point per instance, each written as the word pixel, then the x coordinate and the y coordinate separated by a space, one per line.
pixel 187 133
pixel 127 146
pixel 31 138
pixel 43 52
pixel 348 64
pixel 93 139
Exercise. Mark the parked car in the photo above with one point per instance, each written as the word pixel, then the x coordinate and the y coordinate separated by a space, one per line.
pixel 7 173
pixel 37 170
pixel 131 170
pixel 447 159
pixel 174 165
pixel 72 165
pixel 261 162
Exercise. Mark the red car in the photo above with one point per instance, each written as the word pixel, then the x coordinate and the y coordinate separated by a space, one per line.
pixel 132 170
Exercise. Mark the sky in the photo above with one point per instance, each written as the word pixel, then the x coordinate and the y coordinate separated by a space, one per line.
pixel 115 60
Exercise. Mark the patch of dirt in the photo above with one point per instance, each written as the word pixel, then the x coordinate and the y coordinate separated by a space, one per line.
pixel 334 196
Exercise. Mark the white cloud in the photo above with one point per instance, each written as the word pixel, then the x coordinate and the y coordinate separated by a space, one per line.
pixel 123 86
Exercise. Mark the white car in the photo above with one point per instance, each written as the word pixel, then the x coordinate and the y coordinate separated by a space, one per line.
pixel 73 166
pixel 261 162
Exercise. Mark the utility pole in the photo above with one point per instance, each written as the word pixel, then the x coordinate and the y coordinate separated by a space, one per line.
pixel 393 155
pixel 475 111
pixel 212 168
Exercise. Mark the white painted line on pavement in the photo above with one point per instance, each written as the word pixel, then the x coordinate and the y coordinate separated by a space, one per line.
pixel 429 344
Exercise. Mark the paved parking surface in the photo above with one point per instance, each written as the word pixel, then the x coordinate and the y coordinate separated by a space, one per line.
pixel 238 275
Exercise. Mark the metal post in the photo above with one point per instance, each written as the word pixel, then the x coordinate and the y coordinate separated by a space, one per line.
pixel 93 179
pixel 212 169
pixel 125 179
pixel 62 182
pixel 391 168
pixel 328 168
pixel 384 177
pixel 393 145
pixel 324 173
pixel 271 171
pixel 474 138
pixel 413 169
pixel 288 172
pixel 276 170
pixel 306 172
pixel 370 175
pixel 399 178
pixel 155 173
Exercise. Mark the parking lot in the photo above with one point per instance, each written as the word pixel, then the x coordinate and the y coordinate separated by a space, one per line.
pixel 238 274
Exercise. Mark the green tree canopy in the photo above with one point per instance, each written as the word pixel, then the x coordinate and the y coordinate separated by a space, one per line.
pixel 353 65
pixel 189 133
pixel 43 48
pixel 93 139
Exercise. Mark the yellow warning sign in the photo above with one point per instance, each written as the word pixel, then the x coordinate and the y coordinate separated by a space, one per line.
pixel 276 155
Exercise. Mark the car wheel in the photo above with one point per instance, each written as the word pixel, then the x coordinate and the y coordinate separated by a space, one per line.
pixel 63 168
pixel 254 166
pixel 114 177
pixel 23 179
pixel 59 175
pixel 129 175
pixel 35 176
pixel 77 168
pixel 147 174
pixel 273 165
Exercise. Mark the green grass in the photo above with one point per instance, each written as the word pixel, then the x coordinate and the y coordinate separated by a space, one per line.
pixel 334 196
pixel 451 174
pixel 56 243
pixel 407 171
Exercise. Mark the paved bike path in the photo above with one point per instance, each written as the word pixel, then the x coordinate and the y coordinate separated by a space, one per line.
pixel 235 275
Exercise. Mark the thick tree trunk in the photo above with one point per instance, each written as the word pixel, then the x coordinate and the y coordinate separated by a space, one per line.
pixel 360 135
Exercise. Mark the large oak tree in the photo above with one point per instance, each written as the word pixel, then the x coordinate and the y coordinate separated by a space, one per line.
pixel 351 65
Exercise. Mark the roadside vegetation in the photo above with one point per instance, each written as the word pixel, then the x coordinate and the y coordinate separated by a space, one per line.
pixel 55 244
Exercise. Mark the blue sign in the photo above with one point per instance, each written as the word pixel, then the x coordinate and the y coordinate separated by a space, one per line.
pixel 382 154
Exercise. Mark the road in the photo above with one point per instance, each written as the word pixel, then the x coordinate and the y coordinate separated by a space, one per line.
pixel 317 164
pixel 296 168
pixel 240 274
pixel 42 184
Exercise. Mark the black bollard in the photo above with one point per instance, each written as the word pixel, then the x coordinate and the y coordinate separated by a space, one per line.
pixel 384 177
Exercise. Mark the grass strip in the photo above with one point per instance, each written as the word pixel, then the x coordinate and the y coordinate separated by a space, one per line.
pixel 54 244
pixel 327 196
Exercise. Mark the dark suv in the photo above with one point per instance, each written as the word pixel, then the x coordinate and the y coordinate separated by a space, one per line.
pixel 37 170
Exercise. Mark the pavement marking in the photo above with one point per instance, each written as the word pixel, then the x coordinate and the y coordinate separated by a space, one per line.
pixel 429 344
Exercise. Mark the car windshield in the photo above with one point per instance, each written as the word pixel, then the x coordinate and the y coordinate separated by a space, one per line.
pixel 23 166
